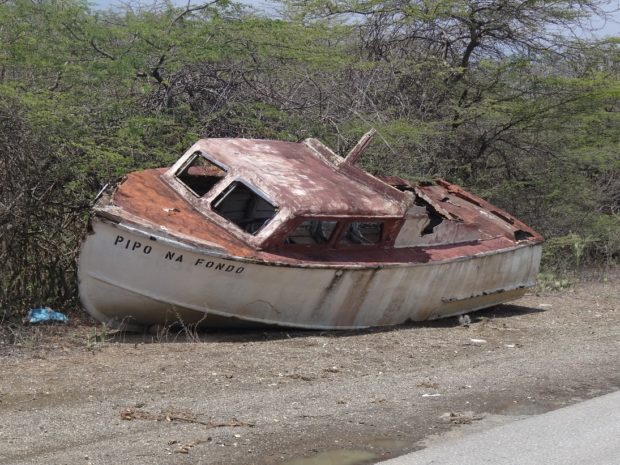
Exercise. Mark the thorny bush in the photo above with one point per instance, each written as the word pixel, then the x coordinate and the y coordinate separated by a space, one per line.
pixel 40 219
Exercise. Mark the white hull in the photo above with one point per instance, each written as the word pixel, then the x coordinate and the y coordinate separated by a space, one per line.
pixel 140 280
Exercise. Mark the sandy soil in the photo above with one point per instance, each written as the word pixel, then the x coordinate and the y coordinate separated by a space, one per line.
pixel 72 395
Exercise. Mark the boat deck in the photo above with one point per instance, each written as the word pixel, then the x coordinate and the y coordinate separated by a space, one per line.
pixel 145 199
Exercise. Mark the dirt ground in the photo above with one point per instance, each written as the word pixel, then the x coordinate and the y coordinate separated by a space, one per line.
pixel 80 395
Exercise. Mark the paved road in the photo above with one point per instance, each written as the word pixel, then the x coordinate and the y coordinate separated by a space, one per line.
pixel 587 433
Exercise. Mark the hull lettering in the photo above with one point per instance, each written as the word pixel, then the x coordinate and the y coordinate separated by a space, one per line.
pixel 172 256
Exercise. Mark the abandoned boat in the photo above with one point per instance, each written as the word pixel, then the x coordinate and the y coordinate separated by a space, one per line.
pixel 292 234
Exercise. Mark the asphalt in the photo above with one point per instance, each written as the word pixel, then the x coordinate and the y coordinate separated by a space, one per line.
pixel 587 433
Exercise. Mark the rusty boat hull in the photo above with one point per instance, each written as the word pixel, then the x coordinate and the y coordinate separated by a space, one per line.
pixel 147 279
pixel 244 231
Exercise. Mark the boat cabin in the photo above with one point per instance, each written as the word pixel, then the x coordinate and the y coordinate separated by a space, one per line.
pixel 282 195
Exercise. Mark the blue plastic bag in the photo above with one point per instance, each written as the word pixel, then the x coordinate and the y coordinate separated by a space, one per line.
pixel 45 315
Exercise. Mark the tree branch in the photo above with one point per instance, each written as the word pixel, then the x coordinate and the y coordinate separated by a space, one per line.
pixel 98 50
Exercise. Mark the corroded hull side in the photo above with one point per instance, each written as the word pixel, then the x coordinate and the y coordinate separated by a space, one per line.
pixel 137 278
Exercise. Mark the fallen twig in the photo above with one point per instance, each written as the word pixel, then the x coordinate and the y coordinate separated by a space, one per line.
pixel 133 413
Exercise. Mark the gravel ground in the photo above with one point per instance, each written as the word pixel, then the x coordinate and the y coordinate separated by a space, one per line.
pixel 75 395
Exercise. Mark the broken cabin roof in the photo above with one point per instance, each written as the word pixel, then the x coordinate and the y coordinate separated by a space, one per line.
pixel 307 178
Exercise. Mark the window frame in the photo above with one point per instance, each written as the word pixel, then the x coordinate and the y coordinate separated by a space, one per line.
pixel 224 192
pixel 186 164
pixel 382 238
pixel 297 222
pixel 342 224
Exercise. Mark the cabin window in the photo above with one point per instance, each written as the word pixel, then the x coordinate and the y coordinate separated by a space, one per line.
pixel 312 232
pixel 362 232
pixel 200 175
pixel 244 207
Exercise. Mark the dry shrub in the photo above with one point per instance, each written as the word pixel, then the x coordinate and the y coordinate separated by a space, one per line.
pixel 40 217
